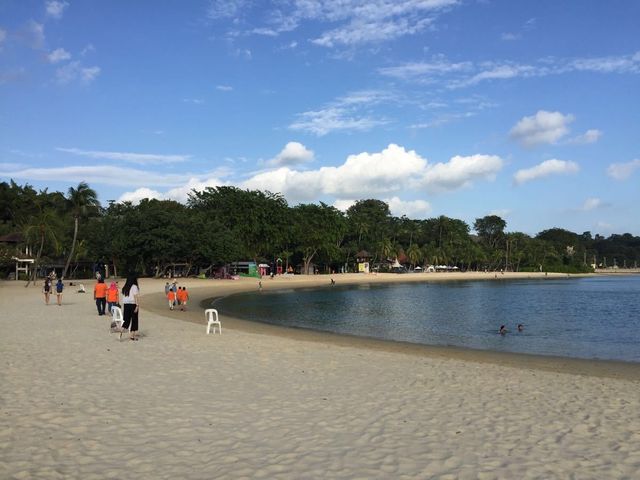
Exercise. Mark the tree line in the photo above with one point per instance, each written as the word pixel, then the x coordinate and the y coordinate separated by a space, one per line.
pixel 225 224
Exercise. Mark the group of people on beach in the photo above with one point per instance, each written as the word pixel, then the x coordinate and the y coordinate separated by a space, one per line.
pixel 177 296
pixel 130 303
pixel 49 287
pixel 106 297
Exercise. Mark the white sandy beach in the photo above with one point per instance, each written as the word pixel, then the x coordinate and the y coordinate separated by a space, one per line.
pixel 77 403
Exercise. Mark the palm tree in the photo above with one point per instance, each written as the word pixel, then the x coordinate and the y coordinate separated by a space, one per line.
pixel 414 253
pixel 41 228
pixel 82 201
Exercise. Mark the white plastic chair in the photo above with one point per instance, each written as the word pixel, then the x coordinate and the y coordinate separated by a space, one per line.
pixel 117 317
pixel 212 320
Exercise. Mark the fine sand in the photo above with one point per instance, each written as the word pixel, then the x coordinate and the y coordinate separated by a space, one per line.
pixel 266 402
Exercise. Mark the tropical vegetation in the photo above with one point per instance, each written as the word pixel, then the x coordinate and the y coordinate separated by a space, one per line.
pixel 225 224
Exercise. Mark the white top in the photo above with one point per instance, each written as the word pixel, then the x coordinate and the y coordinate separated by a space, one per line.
pixel 133 293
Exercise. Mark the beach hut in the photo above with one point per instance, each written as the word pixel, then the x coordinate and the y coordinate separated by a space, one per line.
pixel 363 258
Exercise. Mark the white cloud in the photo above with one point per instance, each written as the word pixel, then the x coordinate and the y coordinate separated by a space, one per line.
pixel 501 212
pixel 140 194
pixel 397 206
pixel 461 171
pixel 88 49
pixel 437 67
pixel 592 204
pixel 466 74
pixel 622 171
pixel 545 169
pixel 225 8
pixel 390 171
pixel 139 158
pixel 99 174
pixel 543 127
pixel 293 153
pixel 55 8
pixel 74 71
pixel 353 22
pixel 443 120
pixel 33 34
pixel 509 37
pixel 179 194
pixel 590 136
pixel 410 208
pixel 322 122
pixel 58 55
pixel 224 88
pixel 612 64
pixel 195 101
pixel 348 113
pixel 343 205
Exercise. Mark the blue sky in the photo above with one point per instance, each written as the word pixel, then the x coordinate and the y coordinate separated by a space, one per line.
pixel 525 109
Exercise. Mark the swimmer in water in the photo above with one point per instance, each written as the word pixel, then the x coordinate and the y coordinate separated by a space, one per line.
pixel 503 330
pixel 520 327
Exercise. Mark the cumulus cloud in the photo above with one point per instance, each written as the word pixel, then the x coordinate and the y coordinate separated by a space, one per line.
pixel 461 171
pixel 179 194
pixel 293 153
pixel 590 136
pixel 397 206
pixel 56 8
pixel 622 171
pixel 545 169
pixel 75 71
pixel 58 55
pixel 543 127
pixel 140 158
pixel 392 170
pixel 410 208
pixel 140 194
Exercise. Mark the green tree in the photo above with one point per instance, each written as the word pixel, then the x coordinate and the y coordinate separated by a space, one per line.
pixel 42 229
pixel 414 253
pixel 82 201
pixel 490 229
pixel 317 228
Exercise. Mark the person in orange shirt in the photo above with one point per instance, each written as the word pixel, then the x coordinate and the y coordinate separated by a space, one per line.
pixel 171 295
pixel 113 296
pixel 183 296
pixel 100 296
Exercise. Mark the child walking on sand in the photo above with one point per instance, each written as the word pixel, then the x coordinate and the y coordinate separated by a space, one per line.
pixel 183 296
pixel 171 296
pixel 59 289
pixel 46 290
pixel 113 296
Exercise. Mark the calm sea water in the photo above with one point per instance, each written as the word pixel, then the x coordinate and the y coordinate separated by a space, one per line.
pixel 582 317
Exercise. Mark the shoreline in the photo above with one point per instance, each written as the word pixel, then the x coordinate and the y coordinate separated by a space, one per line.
pixel 203 294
